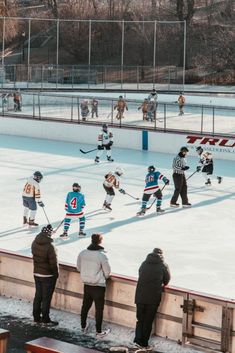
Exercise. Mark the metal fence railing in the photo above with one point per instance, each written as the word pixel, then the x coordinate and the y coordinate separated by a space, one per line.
pixel 203 119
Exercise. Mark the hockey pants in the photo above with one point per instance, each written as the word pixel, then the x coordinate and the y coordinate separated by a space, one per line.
pixel 110 194
pixel 101 150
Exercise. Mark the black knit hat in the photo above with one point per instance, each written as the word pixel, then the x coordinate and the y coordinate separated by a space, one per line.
pixel 47 229
pixel 157 251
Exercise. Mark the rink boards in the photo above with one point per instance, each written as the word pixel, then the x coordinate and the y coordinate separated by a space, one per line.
pixel 188 317
pixel 222 147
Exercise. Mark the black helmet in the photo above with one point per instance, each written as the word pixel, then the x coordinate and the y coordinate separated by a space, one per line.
pixel 76 187
pixel 183 149
pixel 37 176
pixel 199 148
pixel 151 169
pixel 105 126
pixel 120 97
pixel 47 229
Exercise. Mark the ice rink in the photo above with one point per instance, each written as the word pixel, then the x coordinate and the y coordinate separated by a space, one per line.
pixel 198 243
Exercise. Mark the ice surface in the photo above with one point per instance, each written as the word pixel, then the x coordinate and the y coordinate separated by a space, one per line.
pixel 198 243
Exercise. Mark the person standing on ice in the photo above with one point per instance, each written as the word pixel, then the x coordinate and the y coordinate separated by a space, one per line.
pixel 153 95
pixel 206 165
pixel 154 274
pixel 181 103
pixel 152 188
pixel 120 106
pixel 74 205
pixel 179 167
pixel 105 141
pixel 112 180
pixel 31 197
pixel 94 108
pixel 84 109
pixel 144 108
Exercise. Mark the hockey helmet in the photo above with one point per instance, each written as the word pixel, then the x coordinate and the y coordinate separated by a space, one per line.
pixel 199 149
pixel 76 187
pixel 184 149
pixel 151 169
pixel 120 97
pixel 47 229
pixel 37 176
pixel 105 127
pixel 119 171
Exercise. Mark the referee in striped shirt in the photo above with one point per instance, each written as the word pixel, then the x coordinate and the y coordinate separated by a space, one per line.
pixel 179 166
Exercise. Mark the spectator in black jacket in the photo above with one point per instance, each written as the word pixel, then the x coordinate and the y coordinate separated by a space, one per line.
pixel 154 274
pixel 45 275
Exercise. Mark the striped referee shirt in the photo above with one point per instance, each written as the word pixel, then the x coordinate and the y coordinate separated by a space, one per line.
pixel 178 164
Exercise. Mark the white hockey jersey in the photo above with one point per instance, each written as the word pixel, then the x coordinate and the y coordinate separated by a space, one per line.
pixel 105 137
pixel 32 189
pixel 112 180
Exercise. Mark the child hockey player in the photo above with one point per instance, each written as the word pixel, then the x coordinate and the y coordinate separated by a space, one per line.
pixel 144 108
pixel 181 103
pixel 152 188
pixel 84 109
pixel 105 141
pixel 120 106
pixel 94 108
pixel 74 205
pixel 31 196
pixel 206 165
pixel 112 180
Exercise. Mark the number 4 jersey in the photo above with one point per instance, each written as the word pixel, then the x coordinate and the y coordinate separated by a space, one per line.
pixel 74 204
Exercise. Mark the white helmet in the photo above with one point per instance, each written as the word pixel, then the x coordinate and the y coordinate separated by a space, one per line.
pixel 119 171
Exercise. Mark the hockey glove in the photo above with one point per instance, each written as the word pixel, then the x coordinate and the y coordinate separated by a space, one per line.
pixel 199 168
pixel 41 204
pixel 100 147
pixel 167 182
pixel 122 191
pixel 110 143
pixel 185 168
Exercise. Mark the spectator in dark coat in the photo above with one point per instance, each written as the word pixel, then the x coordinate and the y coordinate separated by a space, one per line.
pixel 45 275
pixel 154 274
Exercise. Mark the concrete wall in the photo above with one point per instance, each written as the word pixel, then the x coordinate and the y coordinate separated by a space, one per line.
pixel 222 148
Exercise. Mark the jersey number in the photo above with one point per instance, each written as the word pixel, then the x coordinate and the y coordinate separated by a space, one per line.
pixel 27 188
pixel 149 179
pixel 73 203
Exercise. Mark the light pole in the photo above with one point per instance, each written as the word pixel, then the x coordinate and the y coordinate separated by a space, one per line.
pixel 22 41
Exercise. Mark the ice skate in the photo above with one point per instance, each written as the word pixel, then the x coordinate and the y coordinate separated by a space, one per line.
pixel 97 160
pixel 81 234
pixel 159 210
pixel 141 212
pixel 110 159
pixel 25 221
pixel 208 182
pixel 64 234
pixel 108 207
pixel 219 179
pixel 32 223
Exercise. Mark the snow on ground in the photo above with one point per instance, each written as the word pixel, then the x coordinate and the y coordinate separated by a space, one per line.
pixel 119 335
pixel 198 243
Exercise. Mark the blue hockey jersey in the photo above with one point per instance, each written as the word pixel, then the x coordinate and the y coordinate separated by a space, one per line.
pixel 74 204
pixel 151 182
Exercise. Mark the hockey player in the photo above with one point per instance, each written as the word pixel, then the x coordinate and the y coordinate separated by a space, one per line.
pixel 144 108
pixel 17 98
pixel 74 205
pixel 181 103
pixel 112 180
pixel 206 165
pixel 94 108
pixel 153 95
pixel 31 196
pixel 84 109
pixel 105 141
pixel 152 188
pixel 120 106
pixel 151 110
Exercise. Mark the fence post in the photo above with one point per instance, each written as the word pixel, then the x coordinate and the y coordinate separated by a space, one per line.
pixel 202 117
pixel 39 107
pixel 137 77
pixel 164 117
pixel 72 110
pixel 213 121
pixel 78 110
pixel 112 113
pixel 33 106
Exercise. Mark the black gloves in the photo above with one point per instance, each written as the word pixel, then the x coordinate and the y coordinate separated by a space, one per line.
pixel 122 191
pixel 41 204
pixel 185 168
pixel 199 168
pixel 100 147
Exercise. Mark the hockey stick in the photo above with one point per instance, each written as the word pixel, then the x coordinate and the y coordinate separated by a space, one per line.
pixel 192 174
pixel 46 216
pixel 94 149
pixel 148 208
pixel 135 198
pixel 54 231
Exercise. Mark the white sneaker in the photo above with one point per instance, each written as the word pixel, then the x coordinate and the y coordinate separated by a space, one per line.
pixel 103 333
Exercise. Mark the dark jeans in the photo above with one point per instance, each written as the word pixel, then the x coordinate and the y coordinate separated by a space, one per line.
pixel 44 290
pixel 180 189
pixel 145 315
pixel 96 294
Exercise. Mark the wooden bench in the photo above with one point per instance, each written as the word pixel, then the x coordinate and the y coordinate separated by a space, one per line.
pixel 4 334
pixel 50 345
